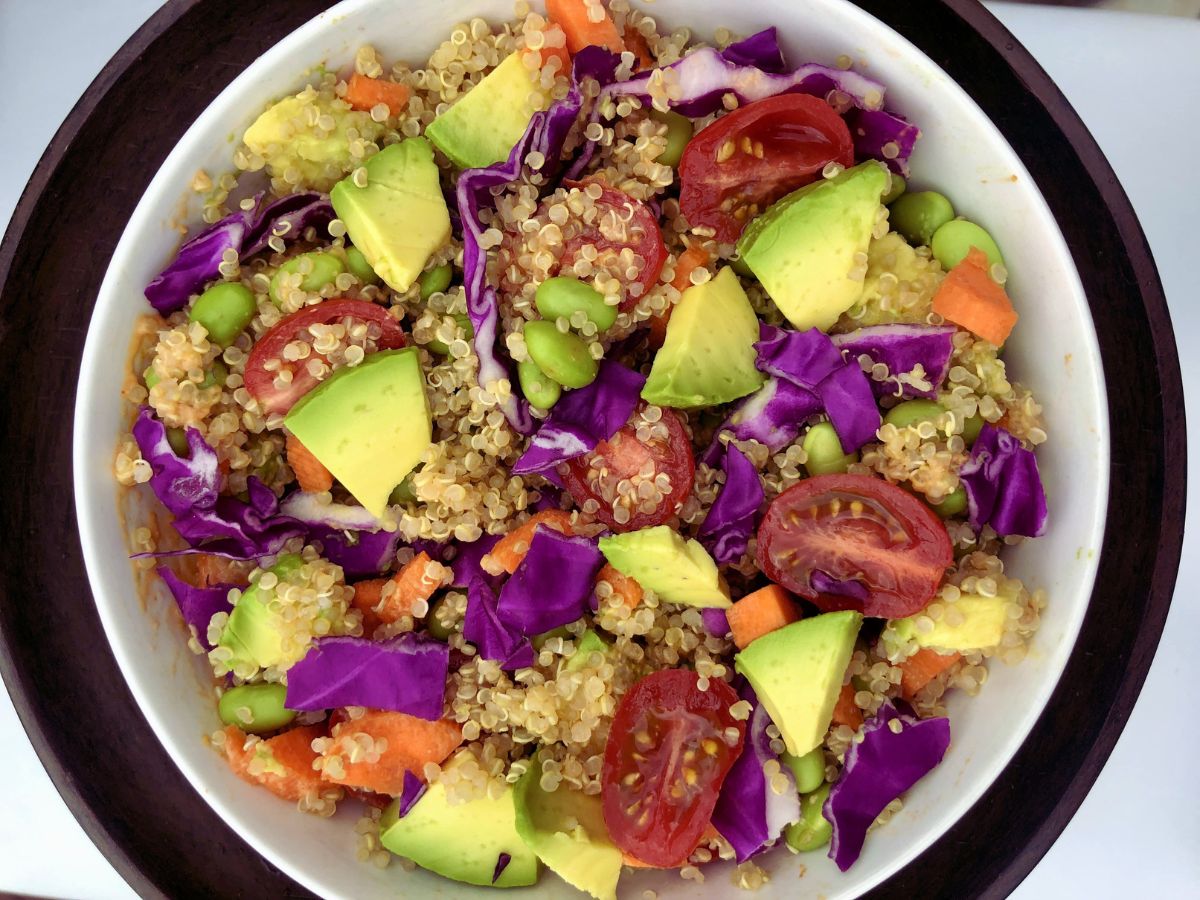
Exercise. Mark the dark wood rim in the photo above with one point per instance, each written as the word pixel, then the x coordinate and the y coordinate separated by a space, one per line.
pixel 121 785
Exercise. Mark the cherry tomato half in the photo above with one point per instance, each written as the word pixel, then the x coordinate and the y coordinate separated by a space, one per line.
pixel 666 757
pixel 599 475
pixel 855 528
pixel 745 161
pixel 279 399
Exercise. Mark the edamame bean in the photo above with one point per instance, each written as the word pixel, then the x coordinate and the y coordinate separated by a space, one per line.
pixel 809 769
pixel 441 348
pixel 563 357
pixel 224 310
pixel 539 640
pixel 358 266
pixel 177 438
pixel 896 188
pixel 825 453
pixel 263 702
pixel 316 271
pixel 150 376
pixel 971 429
pixel 435 280
pixel 433 624
pixel 541 392
pixel 912 412
pixel 679 132
pixel 403 492
pixel 954 505
pixel 918 215
pixel 813 831
pixel 563 297
pixel 953 241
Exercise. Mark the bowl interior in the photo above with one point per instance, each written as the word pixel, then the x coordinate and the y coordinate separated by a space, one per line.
pixel 1053 350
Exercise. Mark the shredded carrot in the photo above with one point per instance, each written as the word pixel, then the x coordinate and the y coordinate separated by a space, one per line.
pixel 554 34
pixel 636 43
pixel 692 258
pixel 366 597
pixel 287 761
pixel 574 16
pixel 921 668
pixel 846 711
pixel 760 613
pixel 511 549
pixel 968 296
pixel 385 600
pixel 310 471
pixel 366 93
pixel 624 588
pixel 411 742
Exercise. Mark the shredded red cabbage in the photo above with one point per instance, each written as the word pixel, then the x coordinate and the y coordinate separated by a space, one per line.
pixel 412 791
pixel 552 584
pixel 465 565
pixel 493 638
pixel 772 415
pixel 902 348
pixel 502 862
pixel 246 231
pixel 1003 485
pixel 824 583
pixel 873 130
pixel 725 531
pixel 406 673
pixel 715 621
pixel 878 769
pixel 349 536
pixel 197 604
pixel 760 50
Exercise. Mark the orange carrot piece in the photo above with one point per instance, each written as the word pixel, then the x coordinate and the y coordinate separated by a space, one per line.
pixel 555 33
pixel 288 759
pixel 969 297
pixel 419 578
pixel 511 549
pixel 846 711
pixel 921 668
pixel 760 613
pixel 366 597
pixel 211 569
pixel 310 471
pixel 581 31
pixel 689 260
pixel 411 743
pixel 636 43
pixel 366 93
pixel 624 588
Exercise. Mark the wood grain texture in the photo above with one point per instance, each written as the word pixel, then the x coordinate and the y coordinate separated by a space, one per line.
pixel 137 807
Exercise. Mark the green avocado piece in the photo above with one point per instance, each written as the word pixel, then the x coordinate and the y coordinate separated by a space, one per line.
pixel 461 841
pixel 486 122
pixel 368 424
pixel 982 626
pixel 708 356
pixel 803 249
pixel 400 218
pixel 797 673
pixel 660 560
pixel 589 642
pixel 250 631
pixel 565 828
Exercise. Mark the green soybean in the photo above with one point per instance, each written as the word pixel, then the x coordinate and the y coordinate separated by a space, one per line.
pixel 224 310
pixel 441 348
pixel 825 453
pixel 953 241
pixel 562 297
pixel 896 188
pixel 954 505
pixel 177 438
pixel 541 391
pixel 358 266
pixel 809 769
pixel 150 376
pixel 679 132
pixel 435 280
pixel 971 429
pixel 918 215
pixel 563 357
pixel 813 831
pixel 265 703
pixel 912 412
pixel 316 270
pixel 433 625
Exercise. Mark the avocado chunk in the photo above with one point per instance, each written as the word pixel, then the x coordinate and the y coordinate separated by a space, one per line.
pixel 589 642
pixel 251 631
pixel 708 355
pixel 400 218
pixel 368 424
pixel 805 248
pixel 288 135
pixel 660 560
pixel 982 625
pixel 565 828
pixel 461 841
pixel 482 127
pixel 797 673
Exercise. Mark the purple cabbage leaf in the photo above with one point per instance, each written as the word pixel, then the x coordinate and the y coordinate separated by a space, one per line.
pixel 493 638
pixel 197 604
pixel 349 536
pixel 412 791
pixel 1003 485
pixel 903 348
pixel 552 584
pixel 725 531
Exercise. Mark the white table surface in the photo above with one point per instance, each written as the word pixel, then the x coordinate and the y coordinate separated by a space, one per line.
pixel 1135 80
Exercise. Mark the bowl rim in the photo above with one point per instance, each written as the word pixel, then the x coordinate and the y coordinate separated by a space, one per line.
pixel 1161 471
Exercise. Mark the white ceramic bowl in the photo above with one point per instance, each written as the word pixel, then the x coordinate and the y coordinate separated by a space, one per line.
pixel 1053 350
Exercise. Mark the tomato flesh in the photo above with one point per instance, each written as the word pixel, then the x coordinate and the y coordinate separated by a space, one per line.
pixel 598 476
pixel 855 528
pixel 279 398
pixel 666 757
pixel 745 161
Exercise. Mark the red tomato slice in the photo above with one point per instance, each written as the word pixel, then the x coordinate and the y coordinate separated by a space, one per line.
pixel 666 757
pixel 261 383
pixel 855 528
pixel 745 161
pixel 623 223
pixel 600 476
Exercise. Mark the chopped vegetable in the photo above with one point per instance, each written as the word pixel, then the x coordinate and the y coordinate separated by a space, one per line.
pixel 366 93
pixel 511 549
pixel 311 473
pixel 552 584
pixel 493 638
pixel 772 415
pixel 348 535
pixel 759 613
pixel 197 604
pixel 624 590
pixel 577 19
pixel 846 711
pixel 970 297
pixel 917 356
pixel 884 136
pixel 405 745
pixel 921 668
pixel 1004 487
pixel 726 530
pixel 284 763
pixel 411 792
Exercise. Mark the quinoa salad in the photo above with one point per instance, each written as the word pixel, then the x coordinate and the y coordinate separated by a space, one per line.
pixel 586 452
